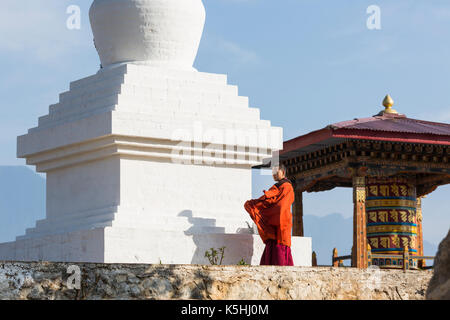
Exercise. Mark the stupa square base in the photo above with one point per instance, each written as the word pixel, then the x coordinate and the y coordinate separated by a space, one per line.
pixel 125 245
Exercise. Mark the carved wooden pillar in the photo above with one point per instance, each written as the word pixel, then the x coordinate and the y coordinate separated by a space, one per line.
pixel 359 253
pixel 421 263
pixel 297 228
pixel 334 262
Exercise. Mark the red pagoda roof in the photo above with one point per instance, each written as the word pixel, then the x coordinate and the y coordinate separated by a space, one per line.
pixel 384 127
pixel 395 124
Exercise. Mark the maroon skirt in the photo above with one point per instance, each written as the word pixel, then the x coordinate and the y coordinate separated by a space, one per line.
pixel 276 255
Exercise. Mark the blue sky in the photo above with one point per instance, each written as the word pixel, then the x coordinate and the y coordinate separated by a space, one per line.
pixel 304 63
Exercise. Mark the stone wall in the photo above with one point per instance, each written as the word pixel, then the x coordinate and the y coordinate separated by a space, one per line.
pixel 120 281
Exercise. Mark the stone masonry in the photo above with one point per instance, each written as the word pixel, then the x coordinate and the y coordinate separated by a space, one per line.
pixel 42 280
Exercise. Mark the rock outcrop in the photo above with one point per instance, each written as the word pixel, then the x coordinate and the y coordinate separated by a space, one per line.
pixel 439 287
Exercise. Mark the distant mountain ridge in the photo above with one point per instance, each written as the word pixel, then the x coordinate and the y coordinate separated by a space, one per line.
pixel 22 203
pixel 22 200
pixel 328 232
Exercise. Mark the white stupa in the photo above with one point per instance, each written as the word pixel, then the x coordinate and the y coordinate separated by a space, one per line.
pixel 148 160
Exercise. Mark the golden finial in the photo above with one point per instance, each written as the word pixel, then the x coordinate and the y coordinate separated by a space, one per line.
pixel 388 103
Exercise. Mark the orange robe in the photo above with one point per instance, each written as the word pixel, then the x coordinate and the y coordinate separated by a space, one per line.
pixel 272 213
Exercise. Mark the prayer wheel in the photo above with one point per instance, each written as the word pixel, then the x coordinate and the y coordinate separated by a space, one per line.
pixel 391 220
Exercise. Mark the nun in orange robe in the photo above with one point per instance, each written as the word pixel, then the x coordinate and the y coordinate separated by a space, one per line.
pixel 272 215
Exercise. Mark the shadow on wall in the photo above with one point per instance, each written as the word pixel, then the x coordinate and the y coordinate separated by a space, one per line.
pixel 199 226
pixel 206 235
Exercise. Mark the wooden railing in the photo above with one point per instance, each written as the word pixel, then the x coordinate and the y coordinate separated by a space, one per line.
pixel 338 261
pixel 405 259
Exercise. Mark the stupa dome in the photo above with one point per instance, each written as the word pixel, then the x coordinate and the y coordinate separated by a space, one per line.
pixel 163 33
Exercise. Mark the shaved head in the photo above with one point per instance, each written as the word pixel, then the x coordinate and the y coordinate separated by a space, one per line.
pixel 279 172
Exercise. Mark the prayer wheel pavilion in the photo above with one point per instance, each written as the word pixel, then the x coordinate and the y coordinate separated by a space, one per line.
pixel 391 162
